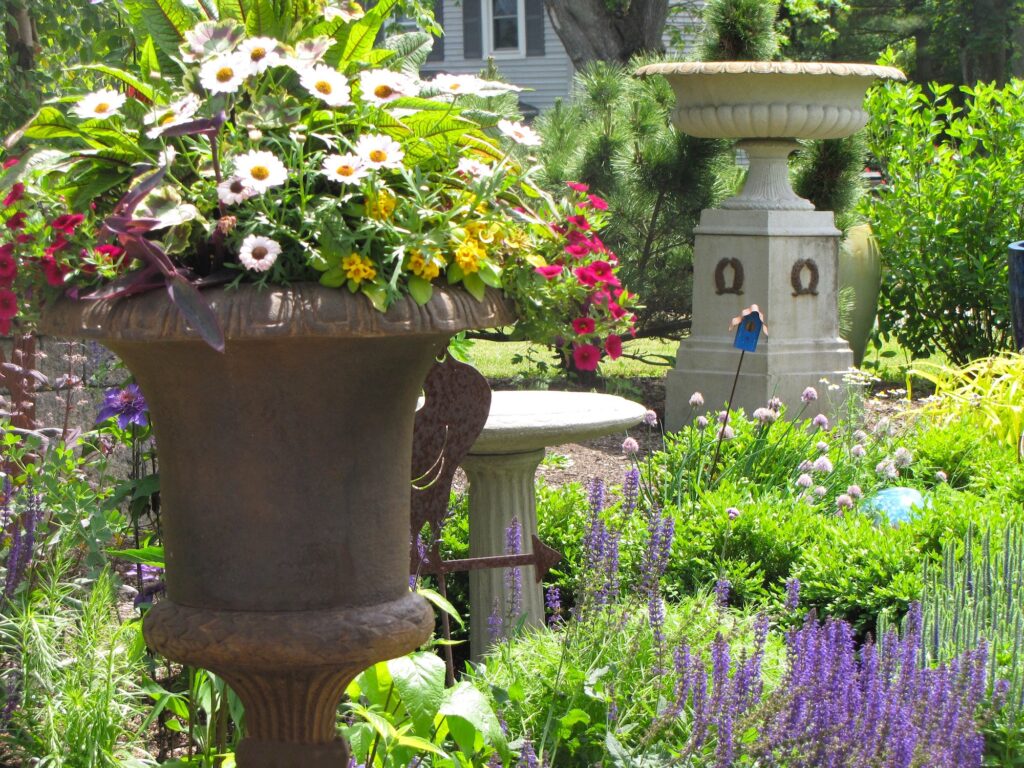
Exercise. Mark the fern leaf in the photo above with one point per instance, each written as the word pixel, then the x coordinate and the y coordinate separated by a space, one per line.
pixel 166 21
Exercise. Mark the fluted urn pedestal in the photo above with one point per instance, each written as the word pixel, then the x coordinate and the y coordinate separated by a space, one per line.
pixel 766 245
pixel 285 482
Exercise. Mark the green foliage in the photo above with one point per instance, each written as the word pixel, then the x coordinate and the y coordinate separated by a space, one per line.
pixel 943 221
pixel 827 173
pixel 740 30
pixel 77 675
pixel 400 712
pixel 988 392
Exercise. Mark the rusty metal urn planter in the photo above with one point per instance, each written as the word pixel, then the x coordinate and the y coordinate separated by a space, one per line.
pixel 284 473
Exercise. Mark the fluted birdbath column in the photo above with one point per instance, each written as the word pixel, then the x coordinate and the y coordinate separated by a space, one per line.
pixel 501 466
pixel 766 245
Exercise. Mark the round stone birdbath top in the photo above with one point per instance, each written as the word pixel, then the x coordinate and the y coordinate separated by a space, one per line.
pixel 770 99
pixel 530 420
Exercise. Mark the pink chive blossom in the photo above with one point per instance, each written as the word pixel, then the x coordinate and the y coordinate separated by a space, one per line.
pixel 630 446
pixel 726 433
pixel 696 400
pixel 887 469
pixel 860 436
pixel 809 395
pixel 723 417
pixel 651 418
pixel 854 491
pixel 858 451
pixel 805 466
pixel 820 421
pixel 775 404
pixel 822 464
pixel 701 422
pixel 732 512
pixel 804 481
pixel 902 457
pixel 820 491
pixel 844 501
pixel 822 446
pixel 941 477
pixel 765 415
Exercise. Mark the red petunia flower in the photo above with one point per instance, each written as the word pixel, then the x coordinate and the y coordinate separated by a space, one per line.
pixel 8 268
pixel 58 245
pixel 613 346
pixel 53 271
pixel 67 223
pixel 23 238
pixel 583 325
pixel 578 187
pixel 586 276
pixel 586 356
pixel 595 244
pixel 17 221
pixel 17 192
pixel 110 253
pixel 602 270
pixel 579 221
pixel 8 304
pixel 616 309
pixel 551 271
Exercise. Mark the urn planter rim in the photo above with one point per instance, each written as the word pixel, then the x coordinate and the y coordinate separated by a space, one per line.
pixel 827 68
pixel 296 311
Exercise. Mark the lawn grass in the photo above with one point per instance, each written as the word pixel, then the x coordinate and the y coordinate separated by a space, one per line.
pixel 641 358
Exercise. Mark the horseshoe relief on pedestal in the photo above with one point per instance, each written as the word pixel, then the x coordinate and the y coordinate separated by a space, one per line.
pixel 733 286
pixel 796 278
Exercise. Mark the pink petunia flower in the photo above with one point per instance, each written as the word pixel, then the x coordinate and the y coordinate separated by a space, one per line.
pixel 17 192
pixel 598 202
pixel 583 325
pixel 586 276
pixel 577 251
pixel 586 356
pixel 578 187
pixel 579 221
pixel 613 346
pixel 550 271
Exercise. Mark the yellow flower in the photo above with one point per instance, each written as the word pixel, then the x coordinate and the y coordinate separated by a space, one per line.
pixel 423 266
pixel 485 232
pixel 358 268
pixel 468 255
pixel 382 206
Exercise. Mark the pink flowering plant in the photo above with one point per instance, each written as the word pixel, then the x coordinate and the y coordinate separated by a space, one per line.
pixel 246 146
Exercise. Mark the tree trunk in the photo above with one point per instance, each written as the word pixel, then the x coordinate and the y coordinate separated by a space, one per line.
pixel 19 35
pixel 590 30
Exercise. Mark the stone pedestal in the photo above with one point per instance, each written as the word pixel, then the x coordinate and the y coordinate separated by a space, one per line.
pixel 785 261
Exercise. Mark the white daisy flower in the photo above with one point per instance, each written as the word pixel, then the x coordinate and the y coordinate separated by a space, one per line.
pixel 99 105
pixel 348 169
pixel 519 133
pixel 327 84
pixel 225 73
pixel 262 53
pixel 175 113
pixel 473 168
pixel 380 151
pixel 259 253
pixel 346 11
pixel 469 85
pixel 260 170
pixel 379 86
pixel 233 191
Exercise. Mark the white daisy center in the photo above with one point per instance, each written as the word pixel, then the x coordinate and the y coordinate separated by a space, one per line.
pixel 345 170
pixel 259 253
pixel 237 186
pixel 257 53
pixel 378 155
pixel 324 87
pixel 225 74
pixel 102 108
pixel 260 172
pixel 383 91
pixel 168 118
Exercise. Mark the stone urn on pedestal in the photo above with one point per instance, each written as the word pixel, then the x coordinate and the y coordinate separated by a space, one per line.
pixel 285 475
pixel 766 245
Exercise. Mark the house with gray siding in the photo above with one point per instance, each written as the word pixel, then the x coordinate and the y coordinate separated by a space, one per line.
pixel 517 34
pixel 519 37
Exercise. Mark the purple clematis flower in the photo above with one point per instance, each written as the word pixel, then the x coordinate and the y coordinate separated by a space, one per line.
pixel 128 405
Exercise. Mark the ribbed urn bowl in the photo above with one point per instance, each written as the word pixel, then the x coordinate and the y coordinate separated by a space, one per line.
pixel 770 99
pixel 768 105
pixel 285 469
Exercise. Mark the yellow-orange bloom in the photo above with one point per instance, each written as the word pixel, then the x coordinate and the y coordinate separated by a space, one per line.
pixel 423 266
pixel 382 206
pixel 358 268
pixel 469 254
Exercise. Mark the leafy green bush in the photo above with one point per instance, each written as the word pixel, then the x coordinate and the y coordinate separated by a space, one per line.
pixel 952 204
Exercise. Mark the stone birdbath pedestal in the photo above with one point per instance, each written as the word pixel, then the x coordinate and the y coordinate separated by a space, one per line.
pixel 501 467
pixel 766 245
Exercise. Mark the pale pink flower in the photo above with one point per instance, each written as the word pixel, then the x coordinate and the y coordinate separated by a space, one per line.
pixel 630 446
pixel 519 133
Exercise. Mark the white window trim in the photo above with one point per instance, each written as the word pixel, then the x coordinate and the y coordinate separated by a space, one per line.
pixel 488 32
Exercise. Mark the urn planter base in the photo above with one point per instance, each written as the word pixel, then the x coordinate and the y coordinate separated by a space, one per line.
pixel 285 470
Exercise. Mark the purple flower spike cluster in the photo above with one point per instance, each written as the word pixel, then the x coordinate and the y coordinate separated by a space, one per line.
pixel 22 533
pixel 660 530
pixel 878 707
pixel 514 576
pixel 128 405
pixel 601 554
pixel 630 491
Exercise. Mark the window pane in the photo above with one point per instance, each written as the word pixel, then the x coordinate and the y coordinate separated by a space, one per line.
pixel 504 8
pixel 506 33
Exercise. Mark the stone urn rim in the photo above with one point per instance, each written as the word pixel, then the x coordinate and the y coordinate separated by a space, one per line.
pixel 830 68
pixel 301 310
